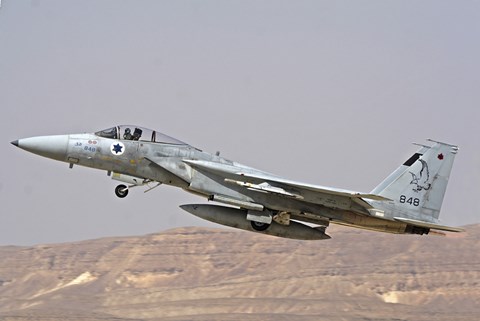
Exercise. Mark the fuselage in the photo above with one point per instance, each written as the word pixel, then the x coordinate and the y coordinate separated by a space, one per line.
pixel 164 162
pixel 140 156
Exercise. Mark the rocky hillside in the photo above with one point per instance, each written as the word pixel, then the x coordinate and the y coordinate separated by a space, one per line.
pixel 219 274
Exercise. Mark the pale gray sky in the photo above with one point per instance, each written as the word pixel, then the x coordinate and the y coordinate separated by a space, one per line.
pixel 327 92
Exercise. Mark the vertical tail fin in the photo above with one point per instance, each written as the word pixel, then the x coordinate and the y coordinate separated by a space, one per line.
pixel 418 186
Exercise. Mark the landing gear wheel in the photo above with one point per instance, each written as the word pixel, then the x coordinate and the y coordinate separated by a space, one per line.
pixel 257 226
pixel 121 191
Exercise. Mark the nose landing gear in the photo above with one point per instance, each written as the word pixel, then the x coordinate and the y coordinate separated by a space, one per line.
pixel 121 191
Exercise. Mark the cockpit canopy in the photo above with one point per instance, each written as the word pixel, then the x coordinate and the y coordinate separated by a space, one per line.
pixel 132 132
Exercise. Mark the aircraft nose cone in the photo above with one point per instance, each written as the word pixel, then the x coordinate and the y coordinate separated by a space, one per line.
pixel 15 142
pixel 54 147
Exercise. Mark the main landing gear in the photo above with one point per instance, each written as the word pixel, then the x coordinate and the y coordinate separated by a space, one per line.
pixel 282 218
pixel 258 226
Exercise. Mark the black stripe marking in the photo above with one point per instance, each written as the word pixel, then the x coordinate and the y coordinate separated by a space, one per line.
pixel 412 159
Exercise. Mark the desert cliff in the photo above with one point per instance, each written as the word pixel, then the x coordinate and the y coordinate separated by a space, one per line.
pixel 224 274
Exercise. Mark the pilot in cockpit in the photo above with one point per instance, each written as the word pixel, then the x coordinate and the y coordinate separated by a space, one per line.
pixel 128 134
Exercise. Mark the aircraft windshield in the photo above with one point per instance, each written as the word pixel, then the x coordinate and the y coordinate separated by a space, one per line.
pixel 108 133
pixel 131 132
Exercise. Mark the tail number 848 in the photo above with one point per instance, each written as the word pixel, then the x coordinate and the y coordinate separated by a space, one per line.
pixel 409 200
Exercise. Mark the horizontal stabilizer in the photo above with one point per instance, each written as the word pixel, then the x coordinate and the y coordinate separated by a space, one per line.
pixel 429 225
pixel 371 197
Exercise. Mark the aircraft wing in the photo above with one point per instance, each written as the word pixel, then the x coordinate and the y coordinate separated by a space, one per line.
pixel 168 170
pixel 313 188
pixel 266 183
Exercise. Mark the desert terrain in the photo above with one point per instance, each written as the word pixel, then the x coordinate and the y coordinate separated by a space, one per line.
pixel 224 274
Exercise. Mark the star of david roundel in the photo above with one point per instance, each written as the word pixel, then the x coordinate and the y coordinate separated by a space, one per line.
pixel 117 148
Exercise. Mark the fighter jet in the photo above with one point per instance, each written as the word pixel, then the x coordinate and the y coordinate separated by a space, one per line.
pixel 408 201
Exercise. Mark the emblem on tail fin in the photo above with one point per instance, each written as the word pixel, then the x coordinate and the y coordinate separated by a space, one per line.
pixel 420 180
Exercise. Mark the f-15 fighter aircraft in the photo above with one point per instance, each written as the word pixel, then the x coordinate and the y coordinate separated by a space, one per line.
pixel 406 202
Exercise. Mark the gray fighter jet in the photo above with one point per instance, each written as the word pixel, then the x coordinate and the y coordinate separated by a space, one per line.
pixel 406 202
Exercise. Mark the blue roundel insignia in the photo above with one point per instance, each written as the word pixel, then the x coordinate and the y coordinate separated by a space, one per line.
pixel 117 148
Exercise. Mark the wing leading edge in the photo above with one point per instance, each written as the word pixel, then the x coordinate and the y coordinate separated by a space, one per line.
pixel 266 183
pixel 276 185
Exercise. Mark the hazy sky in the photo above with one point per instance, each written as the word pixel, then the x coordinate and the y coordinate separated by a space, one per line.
pixel 326 92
